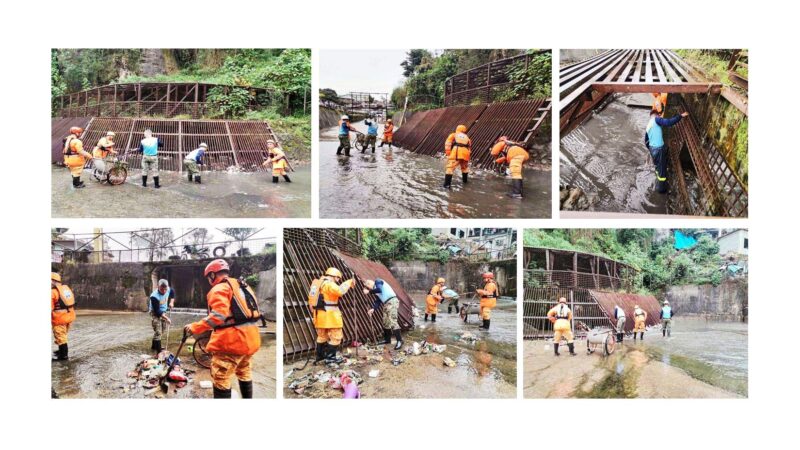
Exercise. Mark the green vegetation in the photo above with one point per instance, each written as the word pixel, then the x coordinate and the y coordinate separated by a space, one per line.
pixel 660 264
pixel 532 81
pixel 401 244
pixel 713 62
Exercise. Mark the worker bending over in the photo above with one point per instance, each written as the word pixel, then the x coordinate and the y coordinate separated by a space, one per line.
pixel 232 319
pixel 104 147
pixel 654 140
pixel 161 301
pixel 666 319
pixel 388 133
pixel 323 298
pixel 277 158
pixel 194 160
pixel 62 314
pixel 452 298
pixel 387 301
pixel 433 299
pixel 561 318
pixel 372 135
pixel 75 156
pixel 344 135
pixel 457 148
pixel 510 153
pixel 639 321
pixel 488 298
pixel 149 147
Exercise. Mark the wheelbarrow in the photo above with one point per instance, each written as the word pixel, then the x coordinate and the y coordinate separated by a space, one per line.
pixel 601 337
pixel 472 307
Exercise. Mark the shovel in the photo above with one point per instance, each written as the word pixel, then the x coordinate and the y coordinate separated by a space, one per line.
pixel 163 384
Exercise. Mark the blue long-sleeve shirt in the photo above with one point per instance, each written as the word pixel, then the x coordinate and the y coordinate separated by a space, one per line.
pixel 653 134
pixel 150 149
pixel 383 293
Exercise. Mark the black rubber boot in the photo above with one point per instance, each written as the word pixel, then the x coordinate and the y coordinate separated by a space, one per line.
pixel 339 150
pixel 571 349
pixel 274 179
pixel 449 309
pixel 399 338
pixel 144 180
pixel 286 177
pixel 426 317
pixel 347 152
pixel 486 323
pixel 465 177
pixel 190 177
pixel 516 189
pixel 664 332
pixel 246 388
pixel 222 393
pixel 641 336
pixel 197 179
pixel 448 180
pixel 153 344
pixel 74 181
pixel 555 350
pixel 78 183
pixel 433 317
pixel 155 180
pixel 157 345
pixel 331 357
pixel 387 336
pixel 61 353
pixel 634 335
pixel 321 350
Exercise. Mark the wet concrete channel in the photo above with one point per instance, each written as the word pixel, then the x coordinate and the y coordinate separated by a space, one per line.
pixel 606 157
pixel 701 359
pixel 485 368
pixel 106 346
pixel 402 184
pixel 222 194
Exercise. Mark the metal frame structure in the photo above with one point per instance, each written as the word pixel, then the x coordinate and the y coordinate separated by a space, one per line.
pixel 144 99
pixel 307 253
pixel 483 83
pixel 366 103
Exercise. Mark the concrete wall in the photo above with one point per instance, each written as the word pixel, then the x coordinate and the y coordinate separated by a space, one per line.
pixel 328 117
pixel 461 276
pixel 733 242
pixel 728 301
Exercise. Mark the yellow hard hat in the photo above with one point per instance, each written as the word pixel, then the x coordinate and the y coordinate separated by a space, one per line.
pixel 333 272
pixel 55 276
pixel 439 280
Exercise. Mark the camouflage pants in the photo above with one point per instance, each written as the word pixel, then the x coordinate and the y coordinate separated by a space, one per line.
pixel 224 366
pixel 159 327
pixel 390 314
pixel 621 325
pixel 191 166
pixel 150 165
pixel 370 140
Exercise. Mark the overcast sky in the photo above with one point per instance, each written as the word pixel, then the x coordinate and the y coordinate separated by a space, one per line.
pixel 85 233
pixel 361 70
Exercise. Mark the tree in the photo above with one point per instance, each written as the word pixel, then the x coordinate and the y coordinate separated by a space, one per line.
pixel 155 240
pixel 413 60
pixel 241 235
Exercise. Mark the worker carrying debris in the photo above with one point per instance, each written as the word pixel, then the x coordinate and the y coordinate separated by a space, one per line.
pixel 619 314
pixel 561 318
pixel 433 299
pixel 149 147
pixel 387 301
pixel 344 135
pixel 323 299
pixel 62 314
pixel 232 319
pixel 451 297
pixel 511 153
pixel 277 159
pixel 75 156
pixel 639 321
pixel 193 161
pixel 666 319
pixel 457 148
pixel 388 133
pixel 160 302
pixel 372 135
pixel 488 296
pixel 104 147
pixel 654 140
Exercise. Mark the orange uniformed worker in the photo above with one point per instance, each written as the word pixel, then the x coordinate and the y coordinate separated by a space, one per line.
pixel 488 298
pixel 328 322
pixel 232 317
pixel 277 158
pixel 457 148
pixel 515 156
pixel 104 147
pixel 433 299
pixel 62 307
pixel 660 102
pixel 388 132
pixel 639 321
pixel 561 318
pixel 75 156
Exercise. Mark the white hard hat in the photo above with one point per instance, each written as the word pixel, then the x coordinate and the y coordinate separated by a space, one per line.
pixel 163 282
pixel 345 117
pixel 666 302
pixel 111 133
pixel 204 145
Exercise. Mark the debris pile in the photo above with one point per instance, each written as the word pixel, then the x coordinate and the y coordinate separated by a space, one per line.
pixel 150 370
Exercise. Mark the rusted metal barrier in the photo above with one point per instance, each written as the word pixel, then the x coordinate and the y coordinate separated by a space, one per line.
pixel 59 129
pixel 452 117
pixel 484 83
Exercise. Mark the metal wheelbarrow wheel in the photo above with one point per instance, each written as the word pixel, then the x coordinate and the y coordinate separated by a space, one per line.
pixel 117 175
pixel 608 344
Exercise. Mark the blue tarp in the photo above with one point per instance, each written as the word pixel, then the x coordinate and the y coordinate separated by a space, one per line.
pixel 683 241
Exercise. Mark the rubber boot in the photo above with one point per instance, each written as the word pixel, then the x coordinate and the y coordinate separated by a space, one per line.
pixel 274 179
pixel 347 152
pixel 387 336
pixel 321 349
pixel 620 337
pixel 634 335
pixel 157 345
pixel 63 352
pixel 190 177
pixel 448 180
pixel 246 388
pixel 286 177
pixel 449 309
pixel 330 355
pixel 426 317
pixel 78 182
pixel 486 323
pixel 664 332
pixel 555 350
pixel 144 180
pixel 155 180
pixel 153 344
pixel 197 179
pixel 74 181
pixel 339 150
pixel 516 189
pixel 433 317
pixel 222 393
pixel 641 336
pixel 399 338
pixel 571 346
pixel 465 177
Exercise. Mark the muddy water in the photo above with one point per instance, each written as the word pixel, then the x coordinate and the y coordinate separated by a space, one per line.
pixel 222 194
pixel 402 184
pixel 607 158
pixel 104 347
pixel 485 368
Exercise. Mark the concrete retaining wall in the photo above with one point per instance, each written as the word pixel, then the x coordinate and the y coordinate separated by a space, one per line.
pixel 460 275
pixel 728 301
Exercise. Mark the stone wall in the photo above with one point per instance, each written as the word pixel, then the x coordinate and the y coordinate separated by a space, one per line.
pixel 728 301
pixel 461 276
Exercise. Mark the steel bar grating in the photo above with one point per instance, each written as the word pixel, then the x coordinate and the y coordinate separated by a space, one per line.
pixel 452 117
pixel 419 130
pixel 59 130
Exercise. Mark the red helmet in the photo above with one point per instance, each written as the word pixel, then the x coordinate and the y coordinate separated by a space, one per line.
pixel 216 266
pixel 488 275
pixel 77 131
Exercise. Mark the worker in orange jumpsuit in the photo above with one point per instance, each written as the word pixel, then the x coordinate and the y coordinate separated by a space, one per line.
pixel 561 318
pixel 488 296
pixel 510 153
pixel 75 156
pixel 324 297
pixel 457 148
pixel 277 159
pixel 660 102
pixel 388 132
pixel 104 147
pixel 232 319
pixel 433 299
pixel 639 322
pixel 62 314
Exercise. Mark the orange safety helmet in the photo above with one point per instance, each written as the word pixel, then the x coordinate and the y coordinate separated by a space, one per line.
pixel 488 275
pixel 333 272
pixel 440 280
pixel 461 129
pixel 215 266
pixel 77 131
pixel 54 276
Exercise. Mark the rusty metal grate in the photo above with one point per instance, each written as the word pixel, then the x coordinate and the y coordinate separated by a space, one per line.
pixel 452 117
pixel 484 83
pixel 59 129
pixel 418 130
